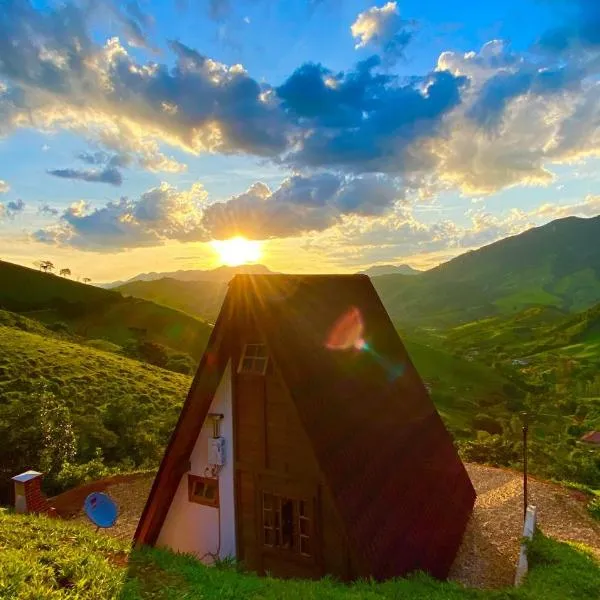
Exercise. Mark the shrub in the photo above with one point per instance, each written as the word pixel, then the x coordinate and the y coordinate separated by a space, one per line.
pixel 181 363
pixel 59 327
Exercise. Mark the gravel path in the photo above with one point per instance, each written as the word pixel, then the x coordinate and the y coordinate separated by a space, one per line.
pixel 490 548
pixel 488 555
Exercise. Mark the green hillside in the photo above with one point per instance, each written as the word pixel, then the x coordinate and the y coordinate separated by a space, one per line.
pixel 555 357
pixel 94 313
pixel 125 408
pixel 201 299
pixel 557 265
pixel 461 389
pixel 46 559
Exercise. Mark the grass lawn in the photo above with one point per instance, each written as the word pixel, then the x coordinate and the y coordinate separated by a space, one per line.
pixel 43 559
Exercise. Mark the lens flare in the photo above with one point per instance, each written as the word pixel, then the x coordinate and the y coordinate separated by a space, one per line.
pixel 347 332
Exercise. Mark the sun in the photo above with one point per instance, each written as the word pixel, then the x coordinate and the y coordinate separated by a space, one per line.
pixel 237 251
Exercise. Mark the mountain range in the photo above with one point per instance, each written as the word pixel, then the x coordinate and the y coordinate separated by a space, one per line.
pixel 556 265
pixel 220 274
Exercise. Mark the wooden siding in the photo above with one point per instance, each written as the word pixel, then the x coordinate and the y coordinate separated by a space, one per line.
pixel 273 453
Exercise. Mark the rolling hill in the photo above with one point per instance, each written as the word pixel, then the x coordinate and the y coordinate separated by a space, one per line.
pixel 529 332
pixel 125 408
pixel 201 299
pixel 556 265
pixel 93 312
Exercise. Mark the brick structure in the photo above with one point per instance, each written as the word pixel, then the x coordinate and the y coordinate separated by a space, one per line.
pixel 29 497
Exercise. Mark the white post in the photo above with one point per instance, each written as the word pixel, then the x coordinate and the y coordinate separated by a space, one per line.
pixel 528 530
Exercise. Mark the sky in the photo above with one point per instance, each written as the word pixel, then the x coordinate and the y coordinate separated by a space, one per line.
pixel 335 134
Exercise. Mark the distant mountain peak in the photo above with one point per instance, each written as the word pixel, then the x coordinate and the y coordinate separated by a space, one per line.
pixel 377 270
pixel 223 273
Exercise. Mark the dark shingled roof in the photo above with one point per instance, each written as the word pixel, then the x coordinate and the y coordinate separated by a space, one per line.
pixel 398 484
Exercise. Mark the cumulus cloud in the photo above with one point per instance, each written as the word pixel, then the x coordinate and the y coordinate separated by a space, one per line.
pixel 383 28
pixel 159 214
pixel 301 204
pixel 479 122
pixel 364 121
pixel 11 209
pixel 4 187
pixel 109 175
pixel 516 120
pixel 60 78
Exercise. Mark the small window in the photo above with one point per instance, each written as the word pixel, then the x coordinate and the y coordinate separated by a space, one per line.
pixel 286 524
pixel 203 490
pixel 254 359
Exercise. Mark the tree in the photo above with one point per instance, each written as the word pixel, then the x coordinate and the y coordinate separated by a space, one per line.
pixel 45 265
pixel 56 426
pixel 65 272
pixel 86 280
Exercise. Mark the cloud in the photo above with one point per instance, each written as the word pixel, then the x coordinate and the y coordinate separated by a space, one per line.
pixel 4 187
pixel 590 207
pixel 360 120
pixel 382 28
pixel 363 121
pixel 581 30
pixel 103 158
pixel 48 211
pixel 479 122
pixel 159 214
pixel 12 209
pixel 301 204
pixel 134 22
pixel 60 78
pixel 500 89
pixel 516 120
pixel 109 175
pixel 106 171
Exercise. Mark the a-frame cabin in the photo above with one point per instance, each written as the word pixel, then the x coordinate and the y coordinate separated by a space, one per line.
pixel 308 444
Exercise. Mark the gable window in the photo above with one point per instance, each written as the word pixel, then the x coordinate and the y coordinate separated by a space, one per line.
pixel 203 490
pixel 286 524
pixel 254 359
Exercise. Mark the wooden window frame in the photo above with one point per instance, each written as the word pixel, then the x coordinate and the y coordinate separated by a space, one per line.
pixel 193 481
pixel 274 525
pixel 255 358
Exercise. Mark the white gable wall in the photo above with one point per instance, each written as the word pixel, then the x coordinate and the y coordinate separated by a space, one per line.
pixel 194 528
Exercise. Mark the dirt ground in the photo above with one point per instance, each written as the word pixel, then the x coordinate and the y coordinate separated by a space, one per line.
pixel 490 548
pixel 489 551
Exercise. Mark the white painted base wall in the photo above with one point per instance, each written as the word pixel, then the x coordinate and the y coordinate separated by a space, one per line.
pixel 194 528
